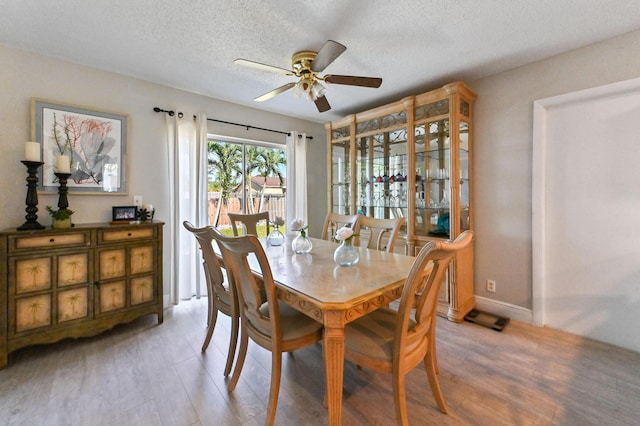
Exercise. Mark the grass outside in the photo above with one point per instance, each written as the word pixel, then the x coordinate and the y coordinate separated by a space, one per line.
pixel 262 230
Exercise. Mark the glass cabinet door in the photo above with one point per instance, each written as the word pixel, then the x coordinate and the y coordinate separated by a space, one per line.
pixel 465 183
pixel 341 171
pixel 433 169
pixel 365 179
pixel 382 168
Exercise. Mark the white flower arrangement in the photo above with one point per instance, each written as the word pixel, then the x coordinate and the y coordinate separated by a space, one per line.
pixel 298 225
pixel 344 234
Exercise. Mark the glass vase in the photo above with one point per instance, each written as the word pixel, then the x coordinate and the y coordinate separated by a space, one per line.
pixel 275 237
pixel 301 244
pixel 346 254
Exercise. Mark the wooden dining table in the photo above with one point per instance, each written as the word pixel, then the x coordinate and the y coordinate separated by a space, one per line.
pixel 335 295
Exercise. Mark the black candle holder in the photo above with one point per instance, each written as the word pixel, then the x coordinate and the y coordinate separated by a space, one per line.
pixel 32 197
pixel 63 202
pixel 145 215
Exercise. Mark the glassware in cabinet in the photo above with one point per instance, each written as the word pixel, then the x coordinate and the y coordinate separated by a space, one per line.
pixel 382 159
pixel 433 170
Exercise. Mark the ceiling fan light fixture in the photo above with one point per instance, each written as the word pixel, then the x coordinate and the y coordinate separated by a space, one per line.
pixel 317 90
pixel 302 89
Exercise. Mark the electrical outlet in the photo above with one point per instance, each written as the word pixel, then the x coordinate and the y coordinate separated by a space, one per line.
pixel 491 286
pixel 137 200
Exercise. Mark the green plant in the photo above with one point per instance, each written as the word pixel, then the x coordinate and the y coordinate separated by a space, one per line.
pixel 61 214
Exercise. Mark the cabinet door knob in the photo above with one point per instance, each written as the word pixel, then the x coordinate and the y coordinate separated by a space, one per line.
pixel 129 234
pixel 52 240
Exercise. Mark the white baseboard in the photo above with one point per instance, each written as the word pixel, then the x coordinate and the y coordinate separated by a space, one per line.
pixel 503 309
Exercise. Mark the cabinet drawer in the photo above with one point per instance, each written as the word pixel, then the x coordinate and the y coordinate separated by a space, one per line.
pixel 18 243
pixel 109 236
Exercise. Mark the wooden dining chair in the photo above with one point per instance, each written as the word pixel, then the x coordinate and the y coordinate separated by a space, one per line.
pixel 221 297
pixel 395 342
pixel 382 233
pixel 269 322
pixel 335 221
pixel 250 222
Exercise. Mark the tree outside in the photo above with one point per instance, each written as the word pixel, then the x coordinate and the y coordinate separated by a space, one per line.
pixel 224 167
pixel 226 170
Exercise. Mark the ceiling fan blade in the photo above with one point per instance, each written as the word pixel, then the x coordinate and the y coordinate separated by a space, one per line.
pixel 353 80
pixel 327 54
pixel 263 67
pixel 274 92
pixel 322 104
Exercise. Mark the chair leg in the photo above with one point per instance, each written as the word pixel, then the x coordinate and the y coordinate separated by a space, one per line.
pixel 211 301
pixel 276 370
pixel 213 316
pixel 434 358
pixel 429 364
pixel 244 342
pixel 233 344
pixel 399 398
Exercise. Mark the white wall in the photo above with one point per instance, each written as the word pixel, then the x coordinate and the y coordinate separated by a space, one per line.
pixel 24 75
pixel 503 155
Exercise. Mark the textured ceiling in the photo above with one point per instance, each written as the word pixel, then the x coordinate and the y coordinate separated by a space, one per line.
pixel 413 45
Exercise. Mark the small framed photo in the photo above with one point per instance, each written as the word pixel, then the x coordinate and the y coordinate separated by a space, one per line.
pixel 124 213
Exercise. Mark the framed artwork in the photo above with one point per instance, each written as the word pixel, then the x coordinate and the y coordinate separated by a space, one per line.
pixel 124 213
pixel 94 141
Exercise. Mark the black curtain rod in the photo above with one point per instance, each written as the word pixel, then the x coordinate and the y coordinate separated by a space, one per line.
pixel 246 126
pixel 171 113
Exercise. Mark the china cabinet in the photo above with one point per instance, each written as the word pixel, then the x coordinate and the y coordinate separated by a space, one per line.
pixel 412 158
pixel 78 282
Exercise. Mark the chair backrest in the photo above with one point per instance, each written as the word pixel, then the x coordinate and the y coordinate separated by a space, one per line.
pixel 335 221
pixel 212 267
pixel 250 222
pixel 421 291
pixel 252 292
pixel 378 230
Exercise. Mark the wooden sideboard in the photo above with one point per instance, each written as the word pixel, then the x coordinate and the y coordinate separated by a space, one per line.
pixel 77 282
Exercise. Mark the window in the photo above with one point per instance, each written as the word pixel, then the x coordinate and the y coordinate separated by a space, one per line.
pixel 245 177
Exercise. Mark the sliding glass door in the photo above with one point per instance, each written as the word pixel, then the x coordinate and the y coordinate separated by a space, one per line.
pixel 245 177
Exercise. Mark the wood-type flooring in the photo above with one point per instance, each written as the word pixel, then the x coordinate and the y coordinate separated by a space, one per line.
pixel 143 373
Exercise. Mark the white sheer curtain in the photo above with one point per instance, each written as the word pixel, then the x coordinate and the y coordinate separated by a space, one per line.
pixel 187 148
pixel 297 177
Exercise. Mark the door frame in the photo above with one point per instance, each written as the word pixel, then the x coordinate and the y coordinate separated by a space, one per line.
pixel 541 111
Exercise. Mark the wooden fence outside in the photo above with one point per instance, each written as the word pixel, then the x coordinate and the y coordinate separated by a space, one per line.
pixel 275 205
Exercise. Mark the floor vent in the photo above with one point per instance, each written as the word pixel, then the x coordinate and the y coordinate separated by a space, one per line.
pixel 486 319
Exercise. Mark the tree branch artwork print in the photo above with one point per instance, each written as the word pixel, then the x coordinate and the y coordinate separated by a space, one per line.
pixel 93 142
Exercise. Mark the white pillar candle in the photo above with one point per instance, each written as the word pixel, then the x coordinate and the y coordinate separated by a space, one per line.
pixel 63 164
pixel 32 151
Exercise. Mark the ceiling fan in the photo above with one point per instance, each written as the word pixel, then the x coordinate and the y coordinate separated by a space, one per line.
pixel 307 65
